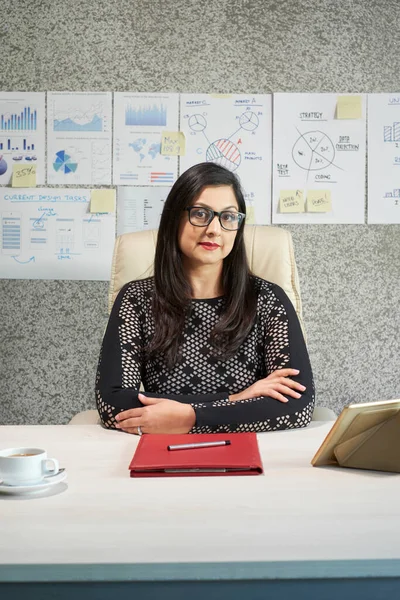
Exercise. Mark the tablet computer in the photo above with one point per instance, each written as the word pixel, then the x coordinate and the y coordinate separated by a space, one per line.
pixel 354 421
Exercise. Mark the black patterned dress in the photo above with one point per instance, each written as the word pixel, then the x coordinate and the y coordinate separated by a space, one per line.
pixel 200 378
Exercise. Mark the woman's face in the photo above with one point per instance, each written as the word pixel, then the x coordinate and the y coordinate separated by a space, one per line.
pixel 210 244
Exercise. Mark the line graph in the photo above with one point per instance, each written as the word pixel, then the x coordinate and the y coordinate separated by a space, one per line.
pixel 83 119
pixel 96 124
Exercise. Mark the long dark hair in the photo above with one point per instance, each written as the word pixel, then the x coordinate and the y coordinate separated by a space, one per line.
pixel 173 295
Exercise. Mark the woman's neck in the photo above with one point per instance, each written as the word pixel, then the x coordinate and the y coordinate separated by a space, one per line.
pixel 205 281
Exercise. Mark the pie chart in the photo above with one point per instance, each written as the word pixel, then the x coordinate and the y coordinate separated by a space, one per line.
pixel 313 151
pixel 197 123
pixel 63 163
pixel 3 165
pixel 225 153
pixel 249 121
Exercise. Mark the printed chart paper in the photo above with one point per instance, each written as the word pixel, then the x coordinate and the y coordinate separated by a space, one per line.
pixel 50 234
pixel 79 138
pixel 233 131
pixel 139 122
pixel 384 158
pixel 22 133
pixel 139 208
pixel 320 156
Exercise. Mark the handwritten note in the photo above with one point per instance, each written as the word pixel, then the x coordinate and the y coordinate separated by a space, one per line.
pixel 291 201
pixel 319 201
pixel 24 175
pixel 102 201
pixel 173 143
pixel 349 107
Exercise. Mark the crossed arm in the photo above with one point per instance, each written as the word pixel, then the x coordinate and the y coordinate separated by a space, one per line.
pixel 162 415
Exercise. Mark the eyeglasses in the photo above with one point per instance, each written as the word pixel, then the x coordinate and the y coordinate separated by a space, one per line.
pixel 200 216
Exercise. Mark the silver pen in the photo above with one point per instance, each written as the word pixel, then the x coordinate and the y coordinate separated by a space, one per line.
pixel 199 445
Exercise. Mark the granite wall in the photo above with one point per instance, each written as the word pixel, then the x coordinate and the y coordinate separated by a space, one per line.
pixel 50 331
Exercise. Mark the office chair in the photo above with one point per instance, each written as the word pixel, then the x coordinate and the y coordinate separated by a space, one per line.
pixel 270 254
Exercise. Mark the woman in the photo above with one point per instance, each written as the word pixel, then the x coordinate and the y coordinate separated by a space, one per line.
pixel 217 349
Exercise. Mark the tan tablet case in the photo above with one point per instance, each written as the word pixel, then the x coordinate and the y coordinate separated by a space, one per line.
pixel 376 448
pixel 365 436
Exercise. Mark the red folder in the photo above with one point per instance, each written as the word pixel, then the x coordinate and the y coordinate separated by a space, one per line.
pixel 153 459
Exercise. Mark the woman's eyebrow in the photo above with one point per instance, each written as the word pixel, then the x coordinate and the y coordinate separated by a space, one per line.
pixel 208 206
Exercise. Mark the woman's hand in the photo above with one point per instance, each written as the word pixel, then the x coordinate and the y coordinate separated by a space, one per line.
pixel 158 415
pixel 273 386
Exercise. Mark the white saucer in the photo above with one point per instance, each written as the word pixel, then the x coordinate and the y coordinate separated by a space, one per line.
pixel 34 487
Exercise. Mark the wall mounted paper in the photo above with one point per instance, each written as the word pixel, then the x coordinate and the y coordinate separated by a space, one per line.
pixel 314 151
pixel 233 131
pixel 24 175
pixel 22 133
pixel 139 208
pixel 384 158
pixel 349 107
pixel 50 234
pixel 102 201
pixel 173 143
pixel 139 122
pixel 291 201
pixel 79 138
pixel 319 201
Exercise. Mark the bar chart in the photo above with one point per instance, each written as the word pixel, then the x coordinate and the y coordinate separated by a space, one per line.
pixel 391 134
pixel 394 194
pixel 18 144
pixel 145 115
pixel 26 120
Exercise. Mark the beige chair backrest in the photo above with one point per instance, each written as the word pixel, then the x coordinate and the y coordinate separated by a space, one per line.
pixel 269 250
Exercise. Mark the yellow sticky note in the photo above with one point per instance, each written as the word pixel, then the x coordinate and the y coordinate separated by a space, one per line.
pixel 291 201
pixel 319 201
pixel 250 216
pixel 349 107
pixel 24 175
pixel 173 143
pixel 102 201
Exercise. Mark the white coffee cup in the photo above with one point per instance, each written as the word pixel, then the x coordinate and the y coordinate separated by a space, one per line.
pixel 25 466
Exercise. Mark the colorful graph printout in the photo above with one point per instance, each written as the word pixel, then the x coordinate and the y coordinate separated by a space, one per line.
pixel 139 121
pixel 22 133
pixel 233 131
pixel 79 138
pixel 49 233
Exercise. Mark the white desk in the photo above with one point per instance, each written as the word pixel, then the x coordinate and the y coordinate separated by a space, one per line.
pixel 296 526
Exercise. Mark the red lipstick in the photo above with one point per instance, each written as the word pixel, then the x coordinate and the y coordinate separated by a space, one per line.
pixel 209 245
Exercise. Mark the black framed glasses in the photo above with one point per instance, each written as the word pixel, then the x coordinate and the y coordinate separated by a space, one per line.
pixel 199 216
